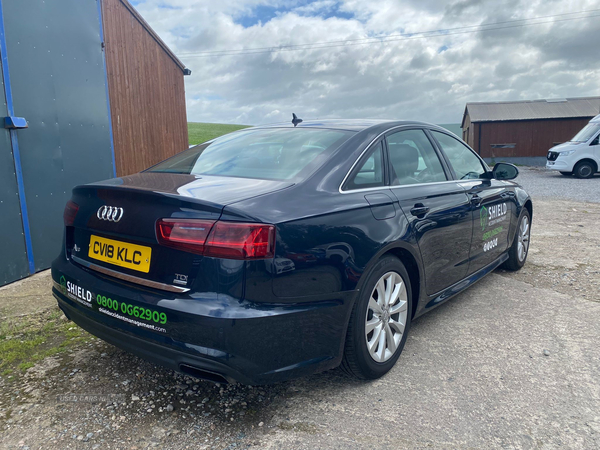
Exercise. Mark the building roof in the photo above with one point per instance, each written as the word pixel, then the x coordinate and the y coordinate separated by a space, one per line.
pixel 155 36
pixel 533 109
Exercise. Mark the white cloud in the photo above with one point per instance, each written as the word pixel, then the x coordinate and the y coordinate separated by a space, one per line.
pixel 424 79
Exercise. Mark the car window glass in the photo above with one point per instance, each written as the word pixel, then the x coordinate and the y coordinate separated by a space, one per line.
pixel 586 132
pixel 269 154
pixel 370 171
pixel 413 159
pixel 465 163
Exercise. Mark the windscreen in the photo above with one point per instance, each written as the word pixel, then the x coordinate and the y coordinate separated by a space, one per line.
pixel 586 133
pixel 270 154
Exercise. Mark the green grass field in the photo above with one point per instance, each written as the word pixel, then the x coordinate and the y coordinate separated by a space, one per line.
pixel 202 132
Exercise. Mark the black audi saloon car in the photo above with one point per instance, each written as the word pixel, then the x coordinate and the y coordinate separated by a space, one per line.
pixel 280 251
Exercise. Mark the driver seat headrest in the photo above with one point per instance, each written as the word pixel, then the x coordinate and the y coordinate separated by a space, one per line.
pixel 404 159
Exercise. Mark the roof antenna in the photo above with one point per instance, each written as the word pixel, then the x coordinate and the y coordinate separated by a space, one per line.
pixel 295 119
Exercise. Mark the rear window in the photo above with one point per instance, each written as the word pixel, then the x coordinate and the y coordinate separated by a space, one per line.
pixel 269 154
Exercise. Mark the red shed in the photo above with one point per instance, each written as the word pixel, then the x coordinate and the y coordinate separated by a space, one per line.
pixel 525 128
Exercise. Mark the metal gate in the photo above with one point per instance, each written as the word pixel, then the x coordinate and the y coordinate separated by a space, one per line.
pixel 54 78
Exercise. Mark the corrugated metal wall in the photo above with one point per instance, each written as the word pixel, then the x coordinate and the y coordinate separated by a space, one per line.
pixel 146 90
pixel 531 138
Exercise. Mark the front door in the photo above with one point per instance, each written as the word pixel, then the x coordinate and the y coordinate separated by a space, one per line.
pixel 493 207
pixel 493 204
pixel 437 208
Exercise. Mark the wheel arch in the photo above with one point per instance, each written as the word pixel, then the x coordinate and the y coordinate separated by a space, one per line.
pixel 412 265
pixel 529 207
pixel 589 160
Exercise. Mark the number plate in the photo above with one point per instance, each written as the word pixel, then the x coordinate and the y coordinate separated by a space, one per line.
pixel 130 256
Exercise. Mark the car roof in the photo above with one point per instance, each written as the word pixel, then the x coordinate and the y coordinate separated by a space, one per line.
pixel 345 124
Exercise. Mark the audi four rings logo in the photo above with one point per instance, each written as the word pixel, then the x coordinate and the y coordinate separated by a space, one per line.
pixel 110 213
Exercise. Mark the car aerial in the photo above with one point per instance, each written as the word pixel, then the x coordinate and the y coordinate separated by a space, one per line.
pixel 281 251
pixel 581 155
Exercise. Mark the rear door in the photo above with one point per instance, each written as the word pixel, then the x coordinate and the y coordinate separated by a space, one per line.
pixel 370 174
pixel 493 203
pixel 436 207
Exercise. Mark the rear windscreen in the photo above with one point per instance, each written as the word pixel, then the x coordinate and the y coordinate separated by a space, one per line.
pixel 270 154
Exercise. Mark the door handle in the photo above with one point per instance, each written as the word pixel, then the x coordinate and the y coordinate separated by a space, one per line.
pixel 476 200
pixel 419 210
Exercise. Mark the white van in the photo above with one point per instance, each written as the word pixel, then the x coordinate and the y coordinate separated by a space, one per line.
pixel 581 155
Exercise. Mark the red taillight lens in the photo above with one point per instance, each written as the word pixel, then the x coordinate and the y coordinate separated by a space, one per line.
pixel 188 235
pixel 70 213
pixel 241 241
pixel 229 240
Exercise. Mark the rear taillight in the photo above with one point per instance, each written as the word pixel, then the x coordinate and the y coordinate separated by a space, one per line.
pixel 241 241
pixel 187 235
pixel 228 240
pixel 70 213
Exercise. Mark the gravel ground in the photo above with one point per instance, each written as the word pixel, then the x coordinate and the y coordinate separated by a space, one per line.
pixel 543 183
pixel 565 249
pixel 513 362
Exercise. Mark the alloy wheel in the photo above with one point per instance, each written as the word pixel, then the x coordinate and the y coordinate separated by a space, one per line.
pixel 386 317
pixel 523 246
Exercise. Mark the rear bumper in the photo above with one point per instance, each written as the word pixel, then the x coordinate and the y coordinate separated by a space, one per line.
pixel 206 335
pixel 158 354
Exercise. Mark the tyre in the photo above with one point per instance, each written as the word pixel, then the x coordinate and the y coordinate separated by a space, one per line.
pixel 584 169
pixel 566 174
pixel 517 253
pixel 379 322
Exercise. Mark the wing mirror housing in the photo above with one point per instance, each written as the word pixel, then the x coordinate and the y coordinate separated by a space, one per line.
pixel 505 171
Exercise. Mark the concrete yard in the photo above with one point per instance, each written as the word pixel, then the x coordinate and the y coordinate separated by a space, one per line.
pixel 513 362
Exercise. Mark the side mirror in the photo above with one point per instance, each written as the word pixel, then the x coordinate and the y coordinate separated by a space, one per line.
pixel 505 171
pixel 596 141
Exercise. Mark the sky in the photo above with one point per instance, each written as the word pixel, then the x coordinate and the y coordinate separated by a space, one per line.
pixel 428 77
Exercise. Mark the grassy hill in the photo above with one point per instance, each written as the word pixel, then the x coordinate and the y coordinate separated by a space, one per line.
pixel 202 132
